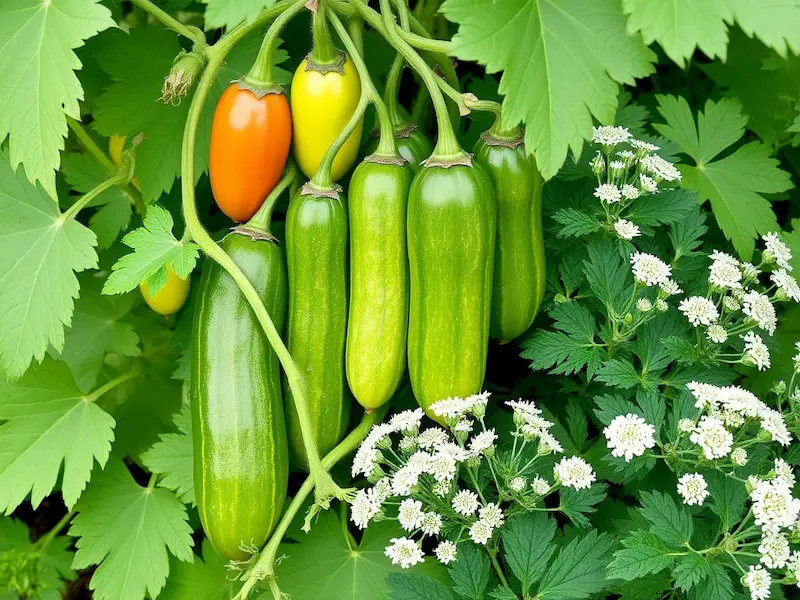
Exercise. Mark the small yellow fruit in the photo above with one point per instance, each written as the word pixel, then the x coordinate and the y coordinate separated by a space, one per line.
pixel 169 299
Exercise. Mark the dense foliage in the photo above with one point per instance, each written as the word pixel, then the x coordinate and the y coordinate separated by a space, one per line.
pixel 637 442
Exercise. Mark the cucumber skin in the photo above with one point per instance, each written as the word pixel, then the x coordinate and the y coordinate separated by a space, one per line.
pixel 411 144
pixel 377 326
pixel 519 267
pixel 241 465
pixel 316 254
pixel 452 215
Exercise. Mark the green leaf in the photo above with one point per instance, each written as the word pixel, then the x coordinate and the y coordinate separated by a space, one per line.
pixel 576 504
pixel 664 208
pixel 528 546
pixel 649 588
pixel 171 457
pixel 502 593
pixel 577 423
pixel 776 23
pixel 227 13
pixel 203 579
pixel 680 26
pixel 619 373
pixel 609 277
pixel 578 570
pixel 48 421
pixel 38 84
pixel 653 406
pixel 643 554
pixel 686 234
pixel 690 570
pixel 609 407
pixel 576 223
pixel 562 65
pixel 728 498
pixel 50 563
pixel 154 248
pixel 40 253
pixel 126 530
pixel 717 585
pixel 470 571
pixel 409 586
pixel 734 184
pixel 671 522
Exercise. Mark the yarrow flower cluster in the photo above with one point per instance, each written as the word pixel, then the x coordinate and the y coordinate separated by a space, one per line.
pixel 629 435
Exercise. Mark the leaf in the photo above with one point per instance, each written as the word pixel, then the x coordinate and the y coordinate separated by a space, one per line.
pixel 717 585
pixel 653 406
pixel 728 498
pixel 575 223
pixel 48 422
pixel 607 275
pixel 578 570
pixel 664 208
pixel 39 85
pixel 470 571
pixel 528 546
pixel 126 530
pixel 733 184
pixel 669 521
pixel 502 593
pixel 690 570
pixel 618 373
pixel 776 23
pixel 171 457
pixel 643 554
pixel 686 234
pixel 409 586
pixel 202 579
pixel 40 253
pixel 650 588
pixel 562 65
pixel 576 504
pixel 154 248
pixel 227 13
pixel 680 26
pixel 577 423
pixel 609 407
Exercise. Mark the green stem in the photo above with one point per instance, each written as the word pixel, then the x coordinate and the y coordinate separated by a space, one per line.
pixel 355 27
pixel 262 220
pixel 392 88
pixel 323 52
pixel 261 75
pixel 428 44
pixel 386 144
pixel 497 569
pixel 264 568
pixel 45 540
pixel 73 210
pixel 117 381
pixel 192 33
pixel 104 161
pixel 325 487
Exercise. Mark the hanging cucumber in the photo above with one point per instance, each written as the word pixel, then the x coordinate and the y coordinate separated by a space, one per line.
pixel 519 268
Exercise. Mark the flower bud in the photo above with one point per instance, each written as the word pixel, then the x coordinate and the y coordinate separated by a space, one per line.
pixel 182 75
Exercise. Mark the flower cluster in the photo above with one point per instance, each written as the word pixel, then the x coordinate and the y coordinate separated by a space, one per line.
pixel 428 479
pixel 626 170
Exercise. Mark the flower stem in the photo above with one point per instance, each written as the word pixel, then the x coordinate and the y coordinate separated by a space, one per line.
pixel 192 33
pixel 498 570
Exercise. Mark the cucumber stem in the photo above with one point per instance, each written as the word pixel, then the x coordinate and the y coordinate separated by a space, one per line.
pixel 325 487
pixel 261 76
pixel 390 92
pixel 262 220
pixel 323 51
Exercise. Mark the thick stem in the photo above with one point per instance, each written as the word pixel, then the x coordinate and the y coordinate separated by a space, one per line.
pixel 266 561
pixel 386 144
pixel 261 75
pixel 392 88
pixel 323 52
pixel 262 220
pixel 192 33
pixel 325 488
pixel 355 28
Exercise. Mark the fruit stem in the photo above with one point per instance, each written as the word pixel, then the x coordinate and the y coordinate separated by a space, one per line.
pixel 324 484
pixel 390 92
pixel 260 75
pixel 323 51
pixel 262 220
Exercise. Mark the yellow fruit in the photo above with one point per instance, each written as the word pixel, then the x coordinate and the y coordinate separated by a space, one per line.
pixel 169 299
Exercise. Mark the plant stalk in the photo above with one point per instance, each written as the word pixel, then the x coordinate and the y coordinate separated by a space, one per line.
pixel 261 74
pixel 192 33
pixel 73 210
pixel 262 220
pixel 323 51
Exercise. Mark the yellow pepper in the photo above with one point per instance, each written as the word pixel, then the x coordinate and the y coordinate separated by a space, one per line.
pixel 169 299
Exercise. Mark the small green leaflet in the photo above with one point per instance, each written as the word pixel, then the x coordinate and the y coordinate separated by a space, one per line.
pixel 411 586
pixel 470 572
pixel 575 223
pixel 40 253
pixel 171 457
pixel 203 579
pixel 733 184
pixel 48 421
pixel 576 504
pixel 528 546
pixel 227 13
pixel 643 554
pixel 670 521
pixel 53 563
pixel 562 65
pixel 578 570
pixel 716 585
pixel 690 570
pixel 154 248
pixel 126 530
pixel 37 78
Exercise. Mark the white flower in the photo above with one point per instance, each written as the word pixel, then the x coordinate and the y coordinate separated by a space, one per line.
pixel 517 484
pixel 431 523
pixel 478 403
pixel 480 532
pixel 739 457
pixel 649 269
pixel 758 582
pixel 662 169
pixel 773 506
pixel 410 514
pixel 793 564
pixel 646 146
pixel 616 165
pixel 784 472
pixel 630 192
pixel 661 306
pixel 441 489
pixel 648 183
pixel 597 164
pixel 774 550
pixel 408 444
pixel 786 284
pixel 759 308
pixel 693 488
pixel 458 453
pixel 418 462
pixel 407 421
pixel 540 486
pixel 492 515
pixel 705 394
pixel 364 460
pixel 446 552
pixel 776 251
pixel 755 351
pixel 432 438
pixel 731 303
pixel 608 193
pixel 629 435
pixel 365 505
pixel 382 490
pixel 796 358
pixel 716 333
pixel 711 435
pixel 574 472
pixel 773 423
pixel 743 401
pixel 670 288
pixel 548 444
pixel 404 552
pixel 750 271
pixel 626 230
pixel 482 442
pixel 404 479
pixel 644 305
pixel 524 407
pixel 686 425
pixel 732 419
pixel 464 426
pixel 608 135
pixel 465 503
pixel 724 272
pixel 443 466
pixel 699 310
pixel 453 408
pixel 626 155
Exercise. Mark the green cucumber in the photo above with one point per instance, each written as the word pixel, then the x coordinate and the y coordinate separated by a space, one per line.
pixel 411 144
